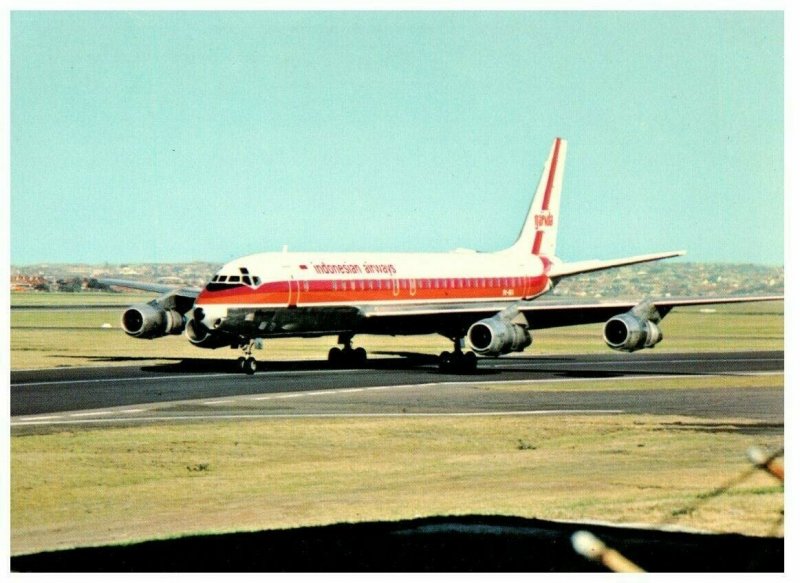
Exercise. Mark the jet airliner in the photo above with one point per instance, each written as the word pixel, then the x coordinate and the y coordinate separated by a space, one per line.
pixel 484 301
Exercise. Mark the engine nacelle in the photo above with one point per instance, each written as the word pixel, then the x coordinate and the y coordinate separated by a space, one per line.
pixel 151 321
pixel 497 335
pixel 628 332
pixel 199 335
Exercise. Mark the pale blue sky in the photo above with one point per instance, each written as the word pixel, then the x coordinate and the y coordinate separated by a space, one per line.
pixel 206 136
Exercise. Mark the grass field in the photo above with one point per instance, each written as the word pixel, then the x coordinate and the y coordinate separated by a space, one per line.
pixel 23 299
pixel 83 486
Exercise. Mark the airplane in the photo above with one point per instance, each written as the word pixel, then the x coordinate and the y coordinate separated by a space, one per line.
pixel 486 300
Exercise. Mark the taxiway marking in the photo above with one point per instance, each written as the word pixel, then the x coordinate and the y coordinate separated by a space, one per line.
pixel 246 416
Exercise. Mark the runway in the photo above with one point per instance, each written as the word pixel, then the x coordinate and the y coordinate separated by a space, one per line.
pixel 412 385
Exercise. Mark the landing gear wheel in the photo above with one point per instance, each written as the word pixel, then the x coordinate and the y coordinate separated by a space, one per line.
pixel 240 363
pixel 342 358
pixel 250 366
pixel 335 357
pixel 359 357
pixel 458 362
pixel 445 361
pixel 470 362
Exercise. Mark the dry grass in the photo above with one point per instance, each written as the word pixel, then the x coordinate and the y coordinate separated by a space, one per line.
pixel 110 485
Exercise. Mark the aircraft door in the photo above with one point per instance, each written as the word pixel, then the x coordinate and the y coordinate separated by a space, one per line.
pixel 294 292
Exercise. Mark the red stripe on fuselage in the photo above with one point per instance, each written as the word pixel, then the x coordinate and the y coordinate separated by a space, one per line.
pixel 320 292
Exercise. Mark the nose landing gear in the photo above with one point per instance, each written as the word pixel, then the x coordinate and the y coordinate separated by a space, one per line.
pixel 247 363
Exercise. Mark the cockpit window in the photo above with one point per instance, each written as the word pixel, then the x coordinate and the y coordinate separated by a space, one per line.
pixel 223 282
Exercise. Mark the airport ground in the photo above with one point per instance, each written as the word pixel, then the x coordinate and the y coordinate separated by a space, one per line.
pixel 283 455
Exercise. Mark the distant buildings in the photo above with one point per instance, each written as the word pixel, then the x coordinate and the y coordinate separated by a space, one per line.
pixel 676 279
pixel 29 283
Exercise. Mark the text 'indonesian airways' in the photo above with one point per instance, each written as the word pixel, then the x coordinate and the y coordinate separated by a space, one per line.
pixel 355 269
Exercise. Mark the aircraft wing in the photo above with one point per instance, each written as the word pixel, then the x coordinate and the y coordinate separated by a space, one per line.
pixel 559 270
pixel 540 314
pixel 171 297
pixel 159 288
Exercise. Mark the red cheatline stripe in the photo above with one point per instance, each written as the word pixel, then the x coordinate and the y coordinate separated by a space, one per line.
pixel 537 243
pixel 551 176
pixel 321 292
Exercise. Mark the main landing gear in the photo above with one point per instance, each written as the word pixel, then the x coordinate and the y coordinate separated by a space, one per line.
pixel 458 361
pixel 247 363
pixel 347 356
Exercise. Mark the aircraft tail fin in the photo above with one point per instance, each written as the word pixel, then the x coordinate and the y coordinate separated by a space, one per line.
pixel 538 234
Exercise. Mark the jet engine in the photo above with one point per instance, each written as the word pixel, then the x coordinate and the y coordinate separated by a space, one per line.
pixel 498 335
pixel 151 321
pixel 633 330
pixel 199 335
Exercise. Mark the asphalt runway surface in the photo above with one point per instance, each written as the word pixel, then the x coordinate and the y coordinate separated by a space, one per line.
pixel 201 389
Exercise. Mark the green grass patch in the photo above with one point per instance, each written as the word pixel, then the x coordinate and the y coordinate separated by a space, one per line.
pixel 89 319
pixel 63 299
